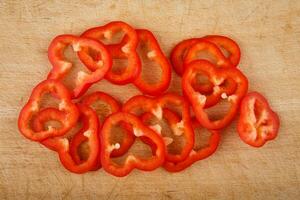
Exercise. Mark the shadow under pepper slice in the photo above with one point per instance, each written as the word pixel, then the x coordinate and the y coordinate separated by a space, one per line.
pixel 148 43
pixel 61 66
pixel 63 145
pixel 124 49
pixel 131 161
pixel 258 123
pixel 216 76
pixel 32 108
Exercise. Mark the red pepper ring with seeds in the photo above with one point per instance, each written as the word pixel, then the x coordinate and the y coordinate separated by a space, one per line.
pixel 148 43
pixel 198 154
pixel 32 108
pixel 141 104
pixel 126 49
pixel 217 76
pixel 258 123
pixel 61 66
pixel 131 162
pixel 69 156
pixel 114 106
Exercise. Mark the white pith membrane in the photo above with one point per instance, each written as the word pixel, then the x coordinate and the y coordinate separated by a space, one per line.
pixel 151 71
pixel 78 72
pixel 172 135
pixel 257 119
pixel 138 148
pixel 109 37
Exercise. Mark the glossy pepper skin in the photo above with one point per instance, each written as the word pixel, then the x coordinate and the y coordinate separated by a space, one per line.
pixel 152 51
pixel 258 123
pixel 61 66
pixel 114 107
pixel 217 76
pixel 131 162
pixel 229 45
pixel 32 108
pixel 156 106
pixel 126 49
pixel 180 51
pixel 64 146
pixel 196 154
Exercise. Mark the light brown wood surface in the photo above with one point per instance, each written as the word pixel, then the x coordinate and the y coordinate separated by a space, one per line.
pixel 268 33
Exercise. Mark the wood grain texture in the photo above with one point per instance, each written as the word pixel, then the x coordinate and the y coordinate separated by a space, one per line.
pixel 269 36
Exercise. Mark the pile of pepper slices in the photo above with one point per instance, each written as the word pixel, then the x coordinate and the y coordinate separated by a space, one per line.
pixel 205 83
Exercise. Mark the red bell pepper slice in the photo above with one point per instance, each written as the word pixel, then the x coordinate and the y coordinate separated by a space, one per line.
pixel 61 66
pixel 32 108
pixel 152 51
pixel 143 104
pixel 217 76
pixel 115 106
pixel 125 49
pixel 146 164
pixel 258 123
pixel 65 147
pixel 196 154
pixel 229 45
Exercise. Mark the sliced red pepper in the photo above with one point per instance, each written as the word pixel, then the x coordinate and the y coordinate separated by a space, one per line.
pixel 209 47
pixel 115 106
pixel 229 45
pixel 132 161
pixel 196 154
pixel 64 146
pixel 258 123
pixel 179 52
pixel 32 108
pixel 61 66
pixel 217 76
pixel 143 104
pixel 125 49
pixel 152 51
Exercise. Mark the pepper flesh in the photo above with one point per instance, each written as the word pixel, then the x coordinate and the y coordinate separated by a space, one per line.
pixel 124 49
pixel 195 154
pixel 147 40
pixel 68 155
pixel 131 162
pixel 258 123
pixel 31 109
pixel 155 106
pixel 216 76
pixel 114 106
pixel 61 66
pixel 229 45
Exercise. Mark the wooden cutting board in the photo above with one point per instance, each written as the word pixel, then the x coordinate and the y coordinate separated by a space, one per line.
pixel 268 33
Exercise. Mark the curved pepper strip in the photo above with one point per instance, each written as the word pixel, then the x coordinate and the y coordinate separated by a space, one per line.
pixel 216 76
pixel 131 161
pixel 115 106
pixel 155 106
pixel 172 120
pixel 147 40
pixel 229 45
pixel 258 123
pixel 61 66
pixel 196 155
pixel 125 49
pixel 63 146
pixel 32 108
